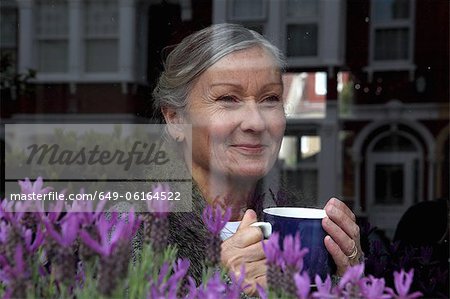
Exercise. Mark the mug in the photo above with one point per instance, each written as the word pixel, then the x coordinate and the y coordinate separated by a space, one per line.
pixel 308 223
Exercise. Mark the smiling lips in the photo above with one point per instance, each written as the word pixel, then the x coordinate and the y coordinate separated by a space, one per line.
pixel 249 148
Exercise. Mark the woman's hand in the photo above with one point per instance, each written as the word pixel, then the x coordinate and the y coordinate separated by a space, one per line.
pixel 342 241
pixel 245 248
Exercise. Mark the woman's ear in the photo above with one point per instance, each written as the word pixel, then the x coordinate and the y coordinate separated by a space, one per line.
pixel 174 122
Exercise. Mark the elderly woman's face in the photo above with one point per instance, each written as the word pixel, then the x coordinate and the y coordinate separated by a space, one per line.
pixel 237 116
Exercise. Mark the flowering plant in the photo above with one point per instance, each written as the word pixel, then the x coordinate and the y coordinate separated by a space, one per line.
pixel 86 253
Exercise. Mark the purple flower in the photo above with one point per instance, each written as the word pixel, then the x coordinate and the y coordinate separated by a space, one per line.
pixel 237 284
pixel 87 212
pixel 27 187
pixel 261 292
pixel 124 230
pixel 373 288
pixel 324 288
pixel 402 282
pixel 302 282
pixel 4 231
pixel 161 207
pixel 68 230
pixel 11 271
pixel 214 288
pixel 32 246
pixel 293 254
pixel 352 276
pixel 169 289
pixel 192 291
pixel 272 249
pixel 214 220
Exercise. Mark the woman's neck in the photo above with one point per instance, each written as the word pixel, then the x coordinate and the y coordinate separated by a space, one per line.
pixel 225 191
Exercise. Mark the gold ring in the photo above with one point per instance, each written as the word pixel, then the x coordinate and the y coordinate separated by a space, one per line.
pixel 354 252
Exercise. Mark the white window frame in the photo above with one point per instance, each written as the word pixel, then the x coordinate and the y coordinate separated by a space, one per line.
pixel 392 65
pixel 227 14
pixel 286 21
pixel 93 76
pixel 76 45
pixel 49 37
pixel 330 29
pixel 389 214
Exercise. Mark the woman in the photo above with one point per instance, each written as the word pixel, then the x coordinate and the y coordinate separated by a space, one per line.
pixel 225 80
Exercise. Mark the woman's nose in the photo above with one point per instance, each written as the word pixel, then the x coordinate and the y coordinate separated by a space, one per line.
pixel 252 118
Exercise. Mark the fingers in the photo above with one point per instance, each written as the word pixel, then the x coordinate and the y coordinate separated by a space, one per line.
pixel 343 240
pixel 340 214
pixel 253 270
pixel 339 257
pixel 246 235
pixel 232 257
pixel 339 205
pixel 249 218
pixel 344 234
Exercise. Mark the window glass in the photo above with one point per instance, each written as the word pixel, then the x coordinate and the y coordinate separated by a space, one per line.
pixel 101 55
pixel 302 8
pixel 302 40
pixel 304 94
pixel 391 44
pixel 101 18
pixel 52 36
pixel 53 56
pixel 101 33
pixel 289 151
pixel 310 147
pixel 394 143
pixel 389 183
pixel 242 9
pixel 8 27
pixel 388 10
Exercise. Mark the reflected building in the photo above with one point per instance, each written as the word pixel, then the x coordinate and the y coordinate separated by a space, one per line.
pixel 366 87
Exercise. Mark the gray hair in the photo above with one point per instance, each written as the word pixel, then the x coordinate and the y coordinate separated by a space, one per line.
pixel 199 51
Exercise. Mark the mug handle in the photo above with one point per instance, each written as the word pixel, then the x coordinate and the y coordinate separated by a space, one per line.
pixel 265 227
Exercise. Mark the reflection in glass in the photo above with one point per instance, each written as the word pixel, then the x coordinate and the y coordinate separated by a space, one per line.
pixel 302 40
pixel 391 44
pixel 389 183
pixel 302 8
pixel 387 10
pixel 394 143
pixel 247 9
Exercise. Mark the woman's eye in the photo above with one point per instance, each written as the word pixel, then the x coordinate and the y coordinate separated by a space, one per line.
pixel 228 99
pixel 272 99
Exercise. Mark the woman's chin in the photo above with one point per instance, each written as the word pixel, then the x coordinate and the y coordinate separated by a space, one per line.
pixel 250 172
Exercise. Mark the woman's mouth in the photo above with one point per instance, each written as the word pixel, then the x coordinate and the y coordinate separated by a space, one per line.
pixel 248 148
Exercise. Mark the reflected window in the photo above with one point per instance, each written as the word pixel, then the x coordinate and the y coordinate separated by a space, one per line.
pixel 389 183
pixel 304 94
pixel 101 36
pixel 391 30
pixel 299 158
pixel 251 14
pixel 302 8
pixel 394 143
pixel 302 28
pixel 247 9
pixel 8 34
pixel 52 36
pixel 302 40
